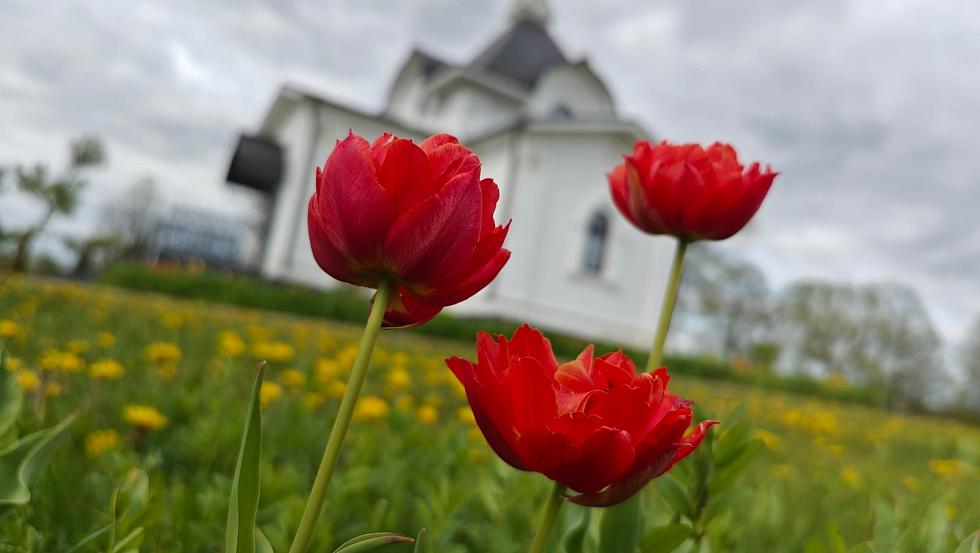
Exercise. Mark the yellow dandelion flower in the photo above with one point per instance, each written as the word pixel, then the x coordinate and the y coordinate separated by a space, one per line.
pixel 313 400
pixel 162 352
pixel 326 370
pixel 53 389
pixel 106 369
pixel 230 344
pixel 294 379
pixel 850 475
pixel 427 414
pixel 11 330
pixel 370 408
pixel 105 340
pixel 398 379
pixel 336 389
pixel 946 468
pixel 100 441
pixel 269 392
pixel 28 380
pixel 273 352
pixel 771 440
pixel 144 417
pixel 13 364
pixel 78 346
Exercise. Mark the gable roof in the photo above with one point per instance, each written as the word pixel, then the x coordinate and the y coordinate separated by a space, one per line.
pixel 522 54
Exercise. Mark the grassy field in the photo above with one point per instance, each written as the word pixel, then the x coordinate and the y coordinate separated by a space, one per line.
pixel 161 385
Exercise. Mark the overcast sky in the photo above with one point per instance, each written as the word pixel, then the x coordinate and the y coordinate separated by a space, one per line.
pixel 869 108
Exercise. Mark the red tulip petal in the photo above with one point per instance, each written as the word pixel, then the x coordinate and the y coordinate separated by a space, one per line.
pixel 615 375
pixel 574 377
pixel 530 393
pixel 603 458
pixel 431 143
pixel 530 342
pixel 406 175
pixel 626 408
pixel 542 450
pixel 331 259
pixel 690 443
pixel 405 310
pixel 439 235
pixel 450 160
pixel 350 195
pixel 464 370
pixel 626 487
pixel 468 285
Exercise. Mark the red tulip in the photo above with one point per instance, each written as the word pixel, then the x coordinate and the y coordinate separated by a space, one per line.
pixel 593 424
pixel 418 214
pixel 687 191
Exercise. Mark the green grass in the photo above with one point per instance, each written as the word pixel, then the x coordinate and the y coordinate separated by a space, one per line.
pixel 906 481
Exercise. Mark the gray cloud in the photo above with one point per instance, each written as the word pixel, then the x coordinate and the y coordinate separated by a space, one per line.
pixel 871 110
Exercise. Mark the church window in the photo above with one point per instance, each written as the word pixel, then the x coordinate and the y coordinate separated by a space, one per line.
pixel 596 239
pixel 562 111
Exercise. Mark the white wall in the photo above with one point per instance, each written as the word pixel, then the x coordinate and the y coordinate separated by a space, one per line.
pixel 560 181
pixel 574 86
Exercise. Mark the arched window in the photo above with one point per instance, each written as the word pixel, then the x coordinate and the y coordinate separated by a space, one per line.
pixel 562 111
pixel 597 234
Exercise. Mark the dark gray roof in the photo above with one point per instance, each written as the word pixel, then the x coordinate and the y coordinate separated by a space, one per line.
pixel 522 54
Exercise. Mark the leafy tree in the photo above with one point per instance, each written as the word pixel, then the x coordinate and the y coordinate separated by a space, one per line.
pixel 725 302
pixel 878 335
pixel 60 195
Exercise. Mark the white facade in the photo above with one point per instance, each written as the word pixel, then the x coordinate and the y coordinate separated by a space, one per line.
pixel 547 132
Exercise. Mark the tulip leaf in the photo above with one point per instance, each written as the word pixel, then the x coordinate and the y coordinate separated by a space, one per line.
pixel 666 538
pixel 726 475
pixel 621 527
pixel 243 505
pixel 574 540
pixel 262 544
pixel 371 542
pixel 674 493
pixel 130 542
pixel 971 544
pixel 25 459
pixel 11 395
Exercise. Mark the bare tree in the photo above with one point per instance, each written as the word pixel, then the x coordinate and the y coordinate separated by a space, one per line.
pixel 132 218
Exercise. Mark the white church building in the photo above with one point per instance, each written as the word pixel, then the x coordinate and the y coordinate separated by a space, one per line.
pixel 547 131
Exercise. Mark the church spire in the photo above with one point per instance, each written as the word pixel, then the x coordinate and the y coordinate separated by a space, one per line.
pixel 535 11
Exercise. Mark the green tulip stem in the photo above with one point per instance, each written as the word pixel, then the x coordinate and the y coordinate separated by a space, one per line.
pixel 548 518
pixel 342 423
pixel 667 308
